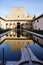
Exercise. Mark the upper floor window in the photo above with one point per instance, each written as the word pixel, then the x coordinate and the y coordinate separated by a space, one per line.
pixel 6 23
pixel 26 23
pixel 18 16
pixel 39 28
pixel 22 24
pixel 13 23
pixel 37 20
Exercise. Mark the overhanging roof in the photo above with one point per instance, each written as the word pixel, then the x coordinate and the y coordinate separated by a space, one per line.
pixel 38 17
pixel 16 19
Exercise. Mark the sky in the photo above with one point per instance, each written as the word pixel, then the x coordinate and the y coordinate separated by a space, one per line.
pixel 33 7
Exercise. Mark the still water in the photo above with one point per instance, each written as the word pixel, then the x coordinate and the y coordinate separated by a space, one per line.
pixel 12 50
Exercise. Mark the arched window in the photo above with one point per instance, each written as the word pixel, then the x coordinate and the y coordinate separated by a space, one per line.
pixel 6 23
pixel 13 23
pixel 26 23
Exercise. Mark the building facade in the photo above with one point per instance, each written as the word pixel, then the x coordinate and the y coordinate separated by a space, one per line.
pixel 17 16
pixel 38 23
pixel 18 20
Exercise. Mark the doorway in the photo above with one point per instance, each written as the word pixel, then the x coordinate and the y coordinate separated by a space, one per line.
pixel 18 29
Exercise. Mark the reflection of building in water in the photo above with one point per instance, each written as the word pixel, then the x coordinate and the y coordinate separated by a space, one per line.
pixel 18 15
pixel 2 39
pixel 17 44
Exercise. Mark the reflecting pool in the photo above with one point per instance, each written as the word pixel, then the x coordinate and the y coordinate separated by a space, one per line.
pixel 12 49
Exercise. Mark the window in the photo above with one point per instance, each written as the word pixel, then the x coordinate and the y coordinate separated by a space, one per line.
pixel 13 23
pixel 18 16
pixel 22 24
pixel 10 34
pixel 7 26
pixel 6 23
pixel 26 23
pixel 37 20
pixel 39 28
pixel 13 34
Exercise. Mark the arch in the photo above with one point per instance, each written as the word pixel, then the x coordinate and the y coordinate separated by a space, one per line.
pixel 18 29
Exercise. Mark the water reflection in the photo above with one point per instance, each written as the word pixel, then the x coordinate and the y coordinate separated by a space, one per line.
pixel 16 34
pixel 17 44
pixel 2 39
pixel 13 47
pixel 9 55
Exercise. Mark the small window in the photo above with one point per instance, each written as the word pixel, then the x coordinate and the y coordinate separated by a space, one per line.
pixel 37 20
pixel 18 16
pixel 26 23
pixel 6 23
pixel 22 24
pixel 13 34
pixel 39 28
pixel 10 34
